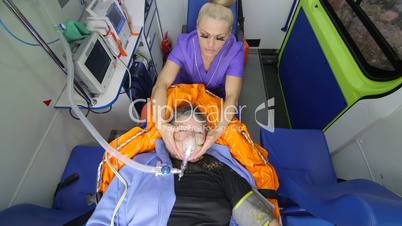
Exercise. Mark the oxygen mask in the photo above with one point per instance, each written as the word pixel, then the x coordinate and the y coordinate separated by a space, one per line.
pixel 188 140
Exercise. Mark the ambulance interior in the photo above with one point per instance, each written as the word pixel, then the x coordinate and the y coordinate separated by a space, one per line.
pixel 321 93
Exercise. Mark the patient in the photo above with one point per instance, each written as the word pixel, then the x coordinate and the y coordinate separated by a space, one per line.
pixel 215 189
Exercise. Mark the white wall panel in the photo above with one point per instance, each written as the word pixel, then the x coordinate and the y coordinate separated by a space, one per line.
pixel 366 141
pixel 64 133
pixel 45 168
pixel 383 145
pixel 173 14
pixel 264 20
pixel 350 163
pixel 36 140
pixel 27 78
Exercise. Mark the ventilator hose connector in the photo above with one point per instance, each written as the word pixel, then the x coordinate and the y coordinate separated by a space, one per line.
pixel 189 146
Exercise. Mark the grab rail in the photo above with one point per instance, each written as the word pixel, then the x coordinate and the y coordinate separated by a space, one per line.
pixel 288 20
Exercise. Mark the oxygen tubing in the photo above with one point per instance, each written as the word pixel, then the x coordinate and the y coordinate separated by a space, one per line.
pixel 159 170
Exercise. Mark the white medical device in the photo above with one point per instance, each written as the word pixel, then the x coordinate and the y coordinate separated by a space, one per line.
pixel 107 18
pixel 94 64
pixel 135 11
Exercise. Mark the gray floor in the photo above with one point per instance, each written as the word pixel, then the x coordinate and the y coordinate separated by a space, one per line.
pixel 273 88
pixel 252 95
pixel 260 83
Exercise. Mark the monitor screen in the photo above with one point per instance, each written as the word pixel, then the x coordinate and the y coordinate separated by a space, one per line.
pixel 98 61
pixel 116 17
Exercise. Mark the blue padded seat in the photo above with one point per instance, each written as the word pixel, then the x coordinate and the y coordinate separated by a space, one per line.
pixel 305 221
pixel 306 176
pixel 194 6
pixel 70 202
pixel 33 215
pixel 84 161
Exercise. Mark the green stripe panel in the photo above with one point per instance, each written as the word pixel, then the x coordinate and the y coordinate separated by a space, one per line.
pixel 353 83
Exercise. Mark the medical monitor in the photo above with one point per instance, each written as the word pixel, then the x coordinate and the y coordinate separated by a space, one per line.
pixel 111 10
pixel 116 17
pixel 94 64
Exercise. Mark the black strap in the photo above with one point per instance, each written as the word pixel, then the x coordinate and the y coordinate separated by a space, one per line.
pixel 240 16
pixel 268 193
pixel 80 220
pixel 69 180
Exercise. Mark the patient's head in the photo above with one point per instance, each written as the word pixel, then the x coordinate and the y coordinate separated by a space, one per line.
pixel 190 126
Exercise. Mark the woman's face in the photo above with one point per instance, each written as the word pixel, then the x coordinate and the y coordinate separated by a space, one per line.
pixel 212 34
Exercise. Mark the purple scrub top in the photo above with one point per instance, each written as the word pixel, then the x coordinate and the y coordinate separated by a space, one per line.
pixel 228 61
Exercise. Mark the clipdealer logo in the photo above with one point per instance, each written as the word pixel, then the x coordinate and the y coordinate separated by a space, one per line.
pixel 270 106
pixel 267 106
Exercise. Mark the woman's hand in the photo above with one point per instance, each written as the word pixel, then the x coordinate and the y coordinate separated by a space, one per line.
pixel 166 130
pixel 229 109
pixel 159 100
pixel 210 140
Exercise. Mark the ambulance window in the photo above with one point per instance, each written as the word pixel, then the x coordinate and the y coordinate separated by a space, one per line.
pixel 387 17
pixel 370 39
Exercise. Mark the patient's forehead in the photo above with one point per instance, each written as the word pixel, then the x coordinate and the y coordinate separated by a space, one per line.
pixel 190 123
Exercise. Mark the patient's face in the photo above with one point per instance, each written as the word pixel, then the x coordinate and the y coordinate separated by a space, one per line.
pixel 189 129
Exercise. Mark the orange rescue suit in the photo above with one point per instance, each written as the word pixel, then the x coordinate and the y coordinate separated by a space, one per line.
pixel 252 156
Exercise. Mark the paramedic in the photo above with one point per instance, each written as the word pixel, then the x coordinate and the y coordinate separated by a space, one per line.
pixel 209 55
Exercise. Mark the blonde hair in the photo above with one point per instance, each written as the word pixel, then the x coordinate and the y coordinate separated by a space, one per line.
pixel 226 3
pixel 217 9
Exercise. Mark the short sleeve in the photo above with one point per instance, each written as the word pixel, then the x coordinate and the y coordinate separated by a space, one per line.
pixel 176 55
pixel 234 185
pixel 236 66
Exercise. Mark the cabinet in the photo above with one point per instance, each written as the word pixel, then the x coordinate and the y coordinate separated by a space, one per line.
pixel 153 36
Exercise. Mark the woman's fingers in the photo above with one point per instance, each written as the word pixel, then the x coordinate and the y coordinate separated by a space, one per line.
pixel 176 150
pixel 167 136
pixel 209 141
pixel 171 146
